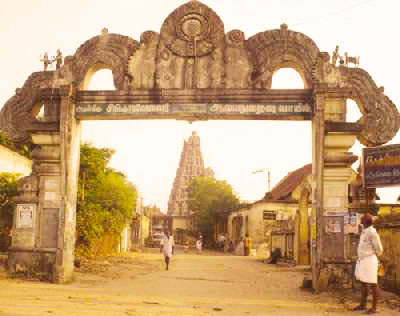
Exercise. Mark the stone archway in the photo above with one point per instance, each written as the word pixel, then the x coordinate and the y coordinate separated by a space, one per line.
pixel 191 70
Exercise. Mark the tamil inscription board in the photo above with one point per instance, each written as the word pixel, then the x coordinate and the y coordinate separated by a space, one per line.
pixel 381 166
pixel 269 215
pixel 199 110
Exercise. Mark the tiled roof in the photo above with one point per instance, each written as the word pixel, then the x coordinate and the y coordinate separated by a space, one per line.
pixel 288 184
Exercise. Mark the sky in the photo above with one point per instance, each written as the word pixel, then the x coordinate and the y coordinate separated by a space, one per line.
pixel 148 152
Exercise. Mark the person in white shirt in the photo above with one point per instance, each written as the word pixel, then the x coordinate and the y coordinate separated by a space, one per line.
pixel 167 246
pixel 366 271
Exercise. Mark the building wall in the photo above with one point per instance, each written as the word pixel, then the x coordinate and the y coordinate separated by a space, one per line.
pixel 145 228
pixel 180 223
pixel 125 240
pixel 13 162
pixel 259 229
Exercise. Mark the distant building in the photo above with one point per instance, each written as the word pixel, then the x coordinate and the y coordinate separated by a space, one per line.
pixel 191 165
pixel 281 219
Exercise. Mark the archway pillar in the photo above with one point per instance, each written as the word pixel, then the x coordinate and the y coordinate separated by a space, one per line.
pixel 43 238
pixel 36 217
pixel 339 137
pixel 70 139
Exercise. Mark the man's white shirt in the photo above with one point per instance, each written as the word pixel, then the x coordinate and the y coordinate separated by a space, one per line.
pixel 167 243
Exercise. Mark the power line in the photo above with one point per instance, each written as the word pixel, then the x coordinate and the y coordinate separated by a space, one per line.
pixel 332 13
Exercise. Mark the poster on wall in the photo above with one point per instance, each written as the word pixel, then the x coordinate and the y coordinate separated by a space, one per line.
pixel 25 215
pixel 350 220
pixel 333 224
pixel 351 223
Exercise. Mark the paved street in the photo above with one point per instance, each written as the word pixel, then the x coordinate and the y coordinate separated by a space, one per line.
pixel 206 284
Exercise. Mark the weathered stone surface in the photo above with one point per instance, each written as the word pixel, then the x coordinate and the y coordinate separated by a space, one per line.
pixel 192 51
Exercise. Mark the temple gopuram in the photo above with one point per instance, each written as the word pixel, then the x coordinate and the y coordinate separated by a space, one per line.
pixel 191 165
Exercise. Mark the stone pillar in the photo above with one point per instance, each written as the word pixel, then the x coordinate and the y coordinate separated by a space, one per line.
pixel 337 175
pixel 34 239
pixel 318 130
pixel 43 239
pixel 70 137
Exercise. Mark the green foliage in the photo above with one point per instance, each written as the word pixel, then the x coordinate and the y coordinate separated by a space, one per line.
pixel 211 201
pixel 106 200
pixel 8 190
pixel 23 148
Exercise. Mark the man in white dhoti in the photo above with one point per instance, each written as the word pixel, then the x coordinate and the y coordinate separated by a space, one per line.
pixel 167 245
pixel 366 272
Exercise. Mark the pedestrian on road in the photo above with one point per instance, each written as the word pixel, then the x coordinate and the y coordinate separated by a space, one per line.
pixel 366 272
pixel 167 246
pixel 221 242
pixel 247 245
pixel 199 244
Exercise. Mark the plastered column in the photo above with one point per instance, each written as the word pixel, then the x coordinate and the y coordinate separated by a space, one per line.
pixel 337 175
pixel 35 227
pixel 70 133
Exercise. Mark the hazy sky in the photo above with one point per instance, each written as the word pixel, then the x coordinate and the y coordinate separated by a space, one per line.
pixel 148 151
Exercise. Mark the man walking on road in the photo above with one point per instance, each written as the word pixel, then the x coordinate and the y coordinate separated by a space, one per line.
pixel 167 245
pixel 247 245
pixel 366 272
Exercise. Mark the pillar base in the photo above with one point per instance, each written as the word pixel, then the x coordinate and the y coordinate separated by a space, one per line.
pixel 32 262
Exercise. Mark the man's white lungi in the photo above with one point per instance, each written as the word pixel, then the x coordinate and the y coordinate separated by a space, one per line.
pixel 367 263
pixel 367 269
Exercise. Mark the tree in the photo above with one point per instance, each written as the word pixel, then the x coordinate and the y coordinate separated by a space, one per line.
pixel 8 190
pixel 211 201
pixel 106 200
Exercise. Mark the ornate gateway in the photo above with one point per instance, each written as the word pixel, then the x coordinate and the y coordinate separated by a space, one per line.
pixel 191 70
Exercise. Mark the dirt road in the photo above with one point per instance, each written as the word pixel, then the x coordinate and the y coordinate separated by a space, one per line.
pixel 206 284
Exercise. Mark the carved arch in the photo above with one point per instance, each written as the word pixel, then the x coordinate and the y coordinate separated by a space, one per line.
pixel 275 49
pixel 16 116
pixel 111 51
pixel 381 119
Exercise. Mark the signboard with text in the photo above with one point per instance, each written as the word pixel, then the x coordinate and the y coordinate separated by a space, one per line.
pixel 381 166
pixel 196 110
pixel 269 215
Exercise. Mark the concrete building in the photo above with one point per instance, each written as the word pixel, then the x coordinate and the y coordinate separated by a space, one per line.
pixel 280 220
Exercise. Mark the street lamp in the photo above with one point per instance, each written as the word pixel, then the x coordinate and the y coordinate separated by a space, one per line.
pixel 269 176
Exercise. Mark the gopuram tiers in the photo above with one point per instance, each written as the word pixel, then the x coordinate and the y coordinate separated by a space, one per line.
pixel 191 165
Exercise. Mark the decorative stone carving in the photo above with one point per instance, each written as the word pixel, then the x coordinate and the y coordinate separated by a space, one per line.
pixel 351 60
pixel 109 50
pixel 335 55
pixel 381 119
pixel 142 64
pixel 193 52
pixel 192 30
pixel 46 61
pixel 58 59
pixel 16 115
pixel 238 65
pixel 328 73
pixel 275 49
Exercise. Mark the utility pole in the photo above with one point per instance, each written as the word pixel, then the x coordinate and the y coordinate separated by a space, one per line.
pixel 269 176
